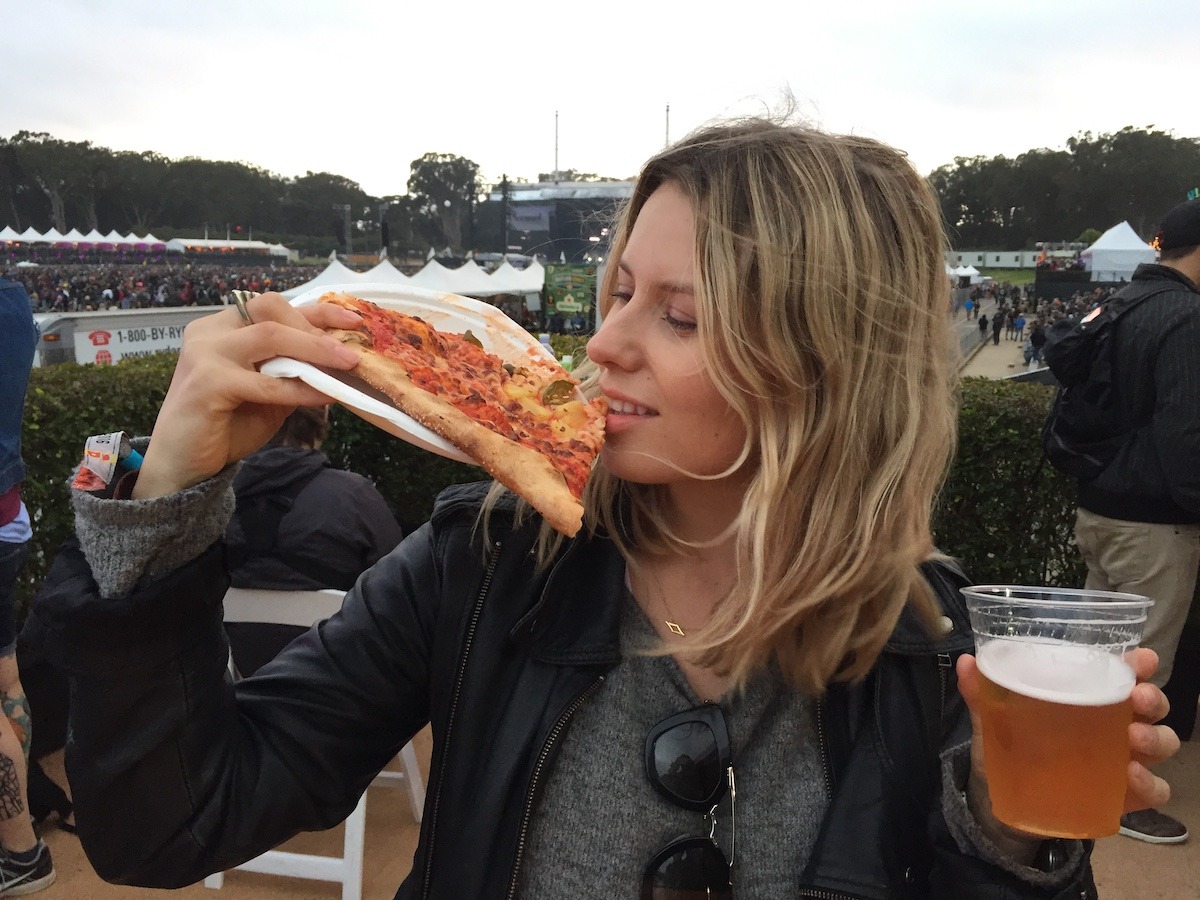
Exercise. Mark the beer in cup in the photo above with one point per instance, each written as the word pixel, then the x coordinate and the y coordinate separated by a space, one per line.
pixel 1055 704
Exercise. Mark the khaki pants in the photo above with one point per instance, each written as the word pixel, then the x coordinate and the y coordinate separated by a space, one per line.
pixel 1157 561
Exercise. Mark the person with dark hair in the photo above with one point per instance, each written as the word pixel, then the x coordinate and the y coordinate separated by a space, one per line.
pixel 299 524
pixel 755 587
pixel 25 863
pixel 1138 523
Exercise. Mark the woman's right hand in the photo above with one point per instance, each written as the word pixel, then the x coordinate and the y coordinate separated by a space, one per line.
pixel 220 408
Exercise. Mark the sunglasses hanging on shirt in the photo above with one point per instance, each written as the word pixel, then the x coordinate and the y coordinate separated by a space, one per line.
pixel 689 760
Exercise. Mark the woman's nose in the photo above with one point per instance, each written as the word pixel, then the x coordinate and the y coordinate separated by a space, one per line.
pixel 610 345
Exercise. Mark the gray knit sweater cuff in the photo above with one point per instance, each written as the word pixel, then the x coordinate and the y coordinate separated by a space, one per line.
pixel 125 541
pixel 971 838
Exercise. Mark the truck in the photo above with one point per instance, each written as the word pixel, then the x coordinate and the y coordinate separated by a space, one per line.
pixel 106 336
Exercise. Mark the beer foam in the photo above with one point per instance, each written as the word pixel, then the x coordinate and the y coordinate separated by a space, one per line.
pixel 1057 672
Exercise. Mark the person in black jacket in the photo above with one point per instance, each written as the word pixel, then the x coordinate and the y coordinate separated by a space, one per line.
pixel 755 590
pixel 299 524
pixel 1138 523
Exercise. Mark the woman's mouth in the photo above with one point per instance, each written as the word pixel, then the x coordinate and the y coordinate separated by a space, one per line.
pixel 624 408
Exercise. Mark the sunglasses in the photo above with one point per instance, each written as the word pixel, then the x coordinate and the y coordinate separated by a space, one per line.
pixel 690 762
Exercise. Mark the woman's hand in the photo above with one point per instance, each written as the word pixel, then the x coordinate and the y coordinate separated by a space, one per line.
pixel 220 408
pixel 1149 744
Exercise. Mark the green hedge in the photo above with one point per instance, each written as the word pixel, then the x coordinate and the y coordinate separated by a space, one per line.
pixel 1005 516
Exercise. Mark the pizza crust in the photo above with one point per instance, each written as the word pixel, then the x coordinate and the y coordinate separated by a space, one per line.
pixel 519 468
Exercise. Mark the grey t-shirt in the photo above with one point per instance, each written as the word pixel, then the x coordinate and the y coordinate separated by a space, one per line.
pixel 599 821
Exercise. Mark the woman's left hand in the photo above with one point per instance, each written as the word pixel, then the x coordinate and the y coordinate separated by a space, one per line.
pixel 1149 744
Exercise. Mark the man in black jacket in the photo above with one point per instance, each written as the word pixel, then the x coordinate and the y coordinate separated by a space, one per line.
pixel 1138 524
pixel 300 524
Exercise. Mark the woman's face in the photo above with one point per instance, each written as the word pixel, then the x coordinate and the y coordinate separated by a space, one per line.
pixel 663 406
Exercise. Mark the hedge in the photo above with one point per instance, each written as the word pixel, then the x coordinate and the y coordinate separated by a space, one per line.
pixel 1007 517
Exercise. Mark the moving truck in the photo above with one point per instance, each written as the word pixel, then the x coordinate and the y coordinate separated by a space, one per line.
pixel 106 336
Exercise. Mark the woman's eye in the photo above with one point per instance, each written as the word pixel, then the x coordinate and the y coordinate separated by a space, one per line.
pixel 622 295
pixel 681 325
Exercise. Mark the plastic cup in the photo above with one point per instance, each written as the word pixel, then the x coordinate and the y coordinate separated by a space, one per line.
pixel 1055 705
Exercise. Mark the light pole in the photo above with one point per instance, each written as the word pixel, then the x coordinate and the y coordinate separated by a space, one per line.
pixel 383 229
pixel 345 210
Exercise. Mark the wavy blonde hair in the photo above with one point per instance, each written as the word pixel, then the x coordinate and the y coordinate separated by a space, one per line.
pixel 823 304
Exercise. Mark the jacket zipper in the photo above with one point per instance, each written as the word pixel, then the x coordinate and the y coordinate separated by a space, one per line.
pixel 825 768
pixel 493 561
pixel 945 662
pixel 551 739
pixel 824 750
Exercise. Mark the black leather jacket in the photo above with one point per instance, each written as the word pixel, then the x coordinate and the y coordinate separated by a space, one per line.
pixel 176 773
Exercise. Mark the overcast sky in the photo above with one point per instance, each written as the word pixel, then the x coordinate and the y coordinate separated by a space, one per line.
pixel 362 88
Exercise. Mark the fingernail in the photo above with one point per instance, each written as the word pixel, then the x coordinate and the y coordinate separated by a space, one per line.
pixel 344 353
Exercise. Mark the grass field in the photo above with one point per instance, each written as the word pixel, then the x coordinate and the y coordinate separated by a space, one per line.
pixel 1012 276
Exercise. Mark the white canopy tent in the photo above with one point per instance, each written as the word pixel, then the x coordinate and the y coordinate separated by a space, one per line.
pixel 1116 254
pixel 969 272
pixel 386 273
pixel 470 279
pixel 334 273
pixel 435 277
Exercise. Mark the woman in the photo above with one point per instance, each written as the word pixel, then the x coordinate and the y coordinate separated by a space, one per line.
pixel 775 353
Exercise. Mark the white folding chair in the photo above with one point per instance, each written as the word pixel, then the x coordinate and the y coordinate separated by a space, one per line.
pixel 303 608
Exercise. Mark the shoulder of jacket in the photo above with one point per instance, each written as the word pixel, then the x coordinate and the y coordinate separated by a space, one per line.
pixel 911 636
pixel 460 500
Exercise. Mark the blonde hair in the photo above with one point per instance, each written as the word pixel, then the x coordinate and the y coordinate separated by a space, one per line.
pixel 822 301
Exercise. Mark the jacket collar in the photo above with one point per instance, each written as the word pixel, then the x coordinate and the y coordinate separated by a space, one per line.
pixel 1158 272
pixel 576 618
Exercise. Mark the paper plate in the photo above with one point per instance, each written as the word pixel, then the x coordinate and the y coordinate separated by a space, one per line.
pixel 446 312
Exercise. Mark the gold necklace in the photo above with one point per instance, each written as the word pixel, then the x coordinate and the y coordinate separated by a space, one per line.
pixel 674 626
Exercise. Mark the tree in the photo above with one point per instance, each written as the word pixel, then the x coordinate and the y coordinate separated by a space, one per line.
pixel 1134 175
pixel 144 180
pixel 572 175
pixel 445 188
pixel 61 170
pixel 309 201
pixel 1088 236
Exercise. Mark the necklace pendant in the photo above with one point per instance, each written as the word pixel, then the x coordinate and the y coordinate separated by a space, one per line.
pixel 675 629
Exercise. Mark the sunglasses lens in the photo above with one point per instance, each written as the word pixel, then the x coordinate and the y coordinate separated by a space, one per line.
pixel 688 870
pixel 687 761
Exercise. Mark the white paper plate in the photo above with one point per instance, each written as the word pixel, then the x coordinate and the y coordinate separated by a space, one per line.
pixel 446 312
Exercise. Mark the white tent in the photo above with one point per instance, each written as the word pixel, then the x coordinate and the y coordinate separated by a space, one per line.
pixel 471 281
pixel 8 234
pixel 114 237
pixel 52 235
pixel 32 236
pixel 95 237
pixel 969 272
pixel 508 279
pixel 334 273
pixel 1116 254
pixel 435 276
pixel 386 273
pixel 74 236
pixel 533 277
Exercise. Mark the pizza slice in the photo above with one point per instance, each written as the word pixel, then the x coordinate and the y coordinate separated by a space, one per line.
pixel 525 421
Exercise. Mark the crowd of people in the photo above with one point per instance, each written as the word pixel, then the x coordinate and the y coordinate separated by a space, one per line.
pixel 84 288
pixel 1022 317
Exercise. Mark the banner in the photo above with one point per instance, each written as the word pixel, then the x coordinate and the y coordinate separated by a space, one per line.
pixel 570 289
pixel 530 217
